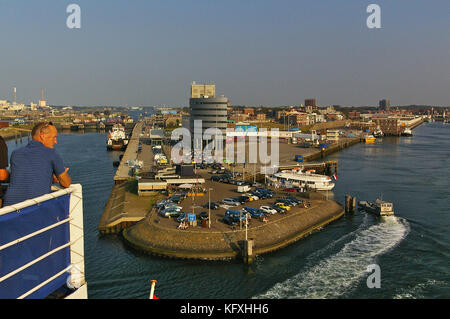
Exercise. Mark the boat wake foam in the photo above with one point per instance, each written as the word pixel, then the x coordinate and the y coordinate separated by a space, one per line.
pixel 418 291
pixel 338 273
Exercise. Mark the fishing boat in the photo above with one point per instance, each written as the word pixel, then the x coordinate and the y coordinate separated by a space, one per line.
pixel 378 133
pixel 117 139
pixel 369 139
pixel 407 132
pixel 379 208
pixel 303 179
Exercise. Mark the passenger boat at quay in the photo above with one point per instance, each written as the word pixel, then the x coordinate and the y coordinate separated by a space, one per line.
pixel 303 179
pixel 379 208
pixel 117 138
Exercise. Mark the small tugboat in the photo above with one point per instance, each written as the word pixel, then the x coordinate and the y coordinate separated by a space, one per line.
pixel 407 132
pixel 117 139
pixel 369 139
pixel 379 208
pixel 378 133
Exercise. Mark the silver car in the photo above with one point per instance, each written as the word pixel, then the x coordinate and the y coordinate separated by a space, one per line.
pixel 268 210
pixel 231 202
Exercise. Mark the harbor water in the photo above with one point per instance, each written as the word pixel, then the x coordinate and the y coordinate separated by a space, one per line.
pixel 411 248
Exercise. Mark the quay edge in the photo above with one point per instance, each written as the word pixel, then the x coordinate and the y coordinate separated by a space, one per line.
pixel 147 237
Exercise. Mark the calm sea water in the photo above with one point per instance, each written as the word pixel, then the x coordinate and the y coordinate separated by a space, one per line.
pixel 412 248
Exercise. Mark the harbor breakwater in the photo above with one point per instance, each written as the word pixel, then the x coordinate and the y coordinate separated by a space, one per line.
pixel 149 237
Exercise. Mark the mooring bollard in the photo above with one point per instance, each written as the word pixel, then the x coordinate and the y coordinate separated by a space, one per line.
pixel 350 204
pixel 248 251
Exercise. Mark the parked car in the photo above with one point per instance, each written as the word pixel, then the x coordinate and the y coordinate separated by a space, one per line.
pixel 260 195
pixel 172 206
pixel 175 199
pixel 230 220
pixel 279 209
pixel 240 199
pixel 288 202
pixel 212 205
pixel 249 198
pixel 181 195
pixel 263 192
pixel 254 212
pixel 182 217
pixel 231 202
pixel 203 216
pixel 252 196
pixel 268 210
pixel 170 212
pixel 162 203
pixel 236 214
pixel 217 166
pixel 283 206
pixel 294 199
pixel 292 190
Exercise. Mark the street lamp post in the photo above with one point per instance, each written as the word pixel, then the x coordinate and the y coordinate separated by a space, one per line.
pixel 246 229
pixel 209 207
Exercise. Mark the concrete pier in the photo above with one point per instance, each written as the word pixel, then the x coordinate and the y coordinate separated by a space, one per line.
pixel 333 148
pixel 124 207
pixel 131 153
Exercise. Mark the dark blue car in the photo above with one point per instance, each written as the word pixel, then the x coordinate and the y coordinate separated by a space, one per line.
pixel 235 214
pixel 254 212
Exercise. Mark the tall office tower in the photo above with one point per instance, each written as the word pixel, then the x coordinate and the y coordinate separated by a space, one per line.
pixel 312 103
pixel 15 96
pixel 203 90
pixel 384 105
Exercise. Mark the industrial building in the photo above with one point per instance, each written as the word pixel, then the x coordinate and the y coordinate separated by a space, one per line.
pixel 384 105
pixel 311 103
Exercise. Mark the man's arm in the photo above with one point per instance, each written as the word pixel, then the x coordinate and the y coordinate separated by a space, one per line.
pixel 64 179
pixel 4 174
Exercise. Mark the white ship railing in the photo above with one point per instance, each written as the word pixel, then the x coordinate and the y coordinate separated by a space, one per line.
pixel 74 222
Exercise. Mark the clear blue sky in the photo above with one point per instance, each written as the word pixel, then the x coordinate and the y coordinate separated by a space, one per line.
pixel 143 52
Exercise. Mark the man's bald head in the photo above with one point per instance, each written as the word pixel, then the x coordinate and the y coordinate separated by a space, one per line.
pixel 46 133
pixel 40 127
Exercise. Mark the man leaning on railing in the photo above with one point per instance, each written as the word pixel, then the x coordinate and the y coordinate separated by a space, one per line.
pixel 36 166
pixel 4 173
